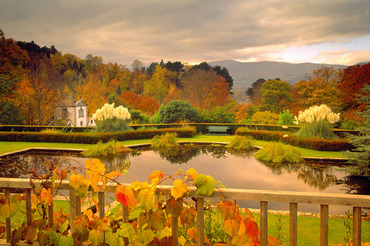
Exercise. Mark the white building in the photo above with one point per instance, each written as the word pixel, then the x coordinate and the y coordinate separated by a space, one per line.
pixel 71 113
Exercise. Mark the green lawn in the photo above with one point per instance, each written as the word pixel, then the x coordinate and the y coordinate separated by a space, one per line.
pixel 6 147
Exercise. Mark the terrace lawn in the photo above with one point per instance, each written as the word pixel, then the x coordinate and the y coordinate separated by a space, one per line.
pixel 6 147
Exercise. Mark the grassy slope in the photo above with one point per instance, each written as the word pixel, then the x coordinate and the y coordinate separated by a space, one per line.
pixel 6 147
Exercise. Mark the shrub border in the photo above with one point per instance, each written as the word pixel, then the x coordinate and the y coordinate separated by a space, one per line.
pixel 92 138
pixel 314 143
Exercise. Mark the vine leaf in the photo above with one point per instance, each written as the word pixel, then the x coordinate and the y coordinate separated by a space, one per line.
pixel 96 236
pixel 174 206
pixel 80 223
pixel 156 177
pixel 146 236
pixel 179 189
pixel 146 199
pixel 226 208
pixel 46 196
pixel 95 169
pixel 192 173
pixel 113 239
pixel 157 219
pixel 126 230
pixel 205 183
pixel 252 229
pixel 43 238
pixel 231 227
pixel 188 216
pixel 125 196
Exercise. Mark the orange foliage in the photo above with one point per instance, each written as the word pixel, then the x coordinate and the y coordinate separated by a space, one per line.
pixel 11 55
pixel 143 103
pixel 205 89
pixel 173 94
pixel 92 92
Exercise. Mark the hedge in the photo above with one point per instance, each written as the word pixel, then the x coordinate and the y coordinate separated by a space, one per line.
pixel 201 128
pixel 303 142
pixel 92 138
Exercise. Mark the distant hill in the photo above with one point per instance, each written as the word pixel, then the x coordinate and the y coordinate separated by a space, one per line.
pixel 245 73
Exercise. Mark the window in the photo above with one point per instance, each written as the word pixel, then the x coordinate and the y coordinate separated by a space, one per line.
pixel 81 123
pixel 64 113
pixel 80 113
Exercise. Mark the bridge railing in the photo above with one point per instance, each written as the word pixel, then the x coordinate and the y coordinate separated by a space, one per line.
pixel 263 196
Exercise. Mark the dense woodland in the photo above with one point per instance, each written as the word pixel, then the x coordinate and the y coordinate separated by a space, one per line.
pixel 34 79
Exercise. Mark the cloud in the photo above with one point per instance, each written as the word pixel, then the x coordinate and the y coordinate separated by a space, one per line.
pixel 343 56
pixel 192 30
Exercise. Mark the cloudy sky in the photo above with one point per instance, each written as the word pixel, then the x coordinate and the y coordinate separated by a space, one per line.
pixel 319 31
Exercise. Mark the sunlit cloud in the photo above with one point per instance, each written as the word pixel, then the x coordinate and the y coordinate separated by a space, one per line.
pixel 192 30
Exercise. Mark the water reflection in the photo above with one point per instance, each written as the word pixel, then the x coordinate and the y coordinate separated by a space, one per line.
pixel 184 153
pixel 234 169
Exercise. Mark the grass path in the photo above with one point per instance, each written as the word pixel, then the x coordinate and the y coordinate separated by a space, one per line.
pixel 6 147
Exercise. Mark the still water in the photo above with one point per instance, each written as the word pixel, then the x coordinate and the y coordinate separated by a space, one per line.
pixel 234 170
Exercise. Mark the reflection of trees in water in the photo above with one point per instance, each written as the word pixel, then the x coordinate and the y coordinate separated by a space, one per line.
pixel 319 178
pixel 184 153
pixel 117 163
pixel 21 166
pixel 356 184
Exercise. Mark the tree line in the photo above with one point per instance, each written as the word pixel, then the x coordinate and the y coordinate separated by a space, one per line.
pixel 34 79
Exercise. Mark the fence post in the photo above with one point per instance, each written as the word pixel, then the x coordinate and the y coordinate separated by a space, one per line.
pixel 356 226
pixel 200 220
pixel 75 206
pixel 293 224
pixel 263 222
pixel 324 225
pixel 8 227
pixel 28 207
pixel 101 204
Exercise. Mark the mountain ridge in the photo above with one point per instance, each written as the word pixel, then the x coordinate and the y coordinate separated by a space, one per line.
pixel 245 73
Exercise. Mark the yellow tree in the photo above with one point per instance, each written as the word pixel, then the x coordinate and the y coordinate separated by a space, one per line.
pixel 158 86
pixel 92 91
pixel 319 88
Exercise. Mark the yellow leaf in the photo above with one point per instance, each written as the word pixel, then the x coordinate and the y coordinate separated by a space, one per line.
pixel 192 172
pixel 178 189
pixel 156 177
pixel 89 214
pixel 46 196
pixel 76 180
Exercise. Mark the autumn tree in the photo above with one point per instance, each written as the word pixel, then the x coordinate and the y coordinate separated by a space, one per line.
pixel 138 102
pixel 174 93
pixel 36 96
pixel 319 88
pixel 92 91
pixel 204 89
pixel 223 72
pixel 138 77
pixel 115 76
pixel 275 96
pixel 12 57
pixel 157 87
pixel 350 85
pixel 255 92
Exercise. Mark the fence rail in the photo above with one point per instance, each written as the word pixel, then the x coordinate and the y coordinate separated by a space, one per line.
pixel 264 196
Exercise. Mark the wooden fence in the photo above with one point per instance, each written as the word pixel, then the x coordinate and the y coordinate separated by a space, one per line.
pixel 293 198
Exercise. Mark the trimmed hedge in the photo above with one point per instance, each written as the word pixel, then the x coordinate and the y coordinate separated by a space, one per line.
pixel 201 128
pixel 92 138
pixel 303 142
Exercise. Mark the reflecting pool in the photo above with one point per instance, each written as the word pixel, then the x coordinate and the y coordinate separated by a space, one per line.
pixel 234 170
